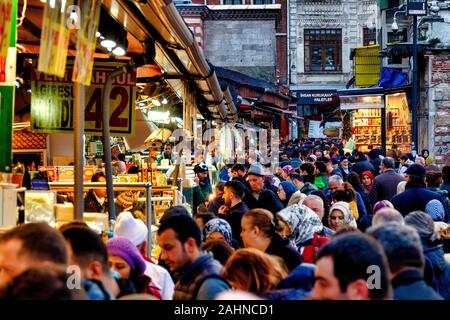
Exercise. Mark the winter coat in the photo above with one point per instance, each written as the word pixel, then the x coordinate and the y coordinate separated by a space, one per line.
pixel 440 269
pixel 411 285
pixel 414 198
pixel 281 247
pixel 269 200
pixel 308 188
pixel 445 202
pixel 362 166
pixel 297 286
pixel 446 186
pixel 190 285
pixel 234 217
pixel 376 165
pixel 385 186
pixel 91 203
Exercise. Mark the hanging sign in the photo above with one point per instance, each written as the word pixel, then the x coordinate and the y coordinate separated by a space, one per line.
pixel 52 101
pixel 5 26
pixel 86 41
pixel 416 8
pixel 54 38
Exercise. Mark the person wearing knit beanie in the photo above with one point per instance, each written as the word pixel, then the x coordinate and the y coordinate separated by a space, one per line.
pixel 125 258
pixel 130 260
pixel 435 210
pixel 131 228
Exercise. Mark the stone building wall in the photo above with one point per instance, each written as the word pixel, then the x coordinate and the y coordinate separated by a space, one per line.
pixel 245 46
pixel 440 106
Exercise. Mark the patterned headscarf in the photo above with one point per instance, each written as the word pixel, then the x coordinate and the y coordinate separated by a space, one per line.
pixel 302 221
pixel 349 218
pixel 435 210
pixel 218 225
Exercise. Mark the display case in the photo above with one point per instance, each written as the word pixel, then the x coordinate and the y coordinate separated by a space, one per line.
pixel 398 123
pixel 367 128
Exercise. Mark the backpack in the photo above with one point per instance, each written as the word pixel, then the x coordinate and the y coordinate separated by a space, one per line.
pixel 311 250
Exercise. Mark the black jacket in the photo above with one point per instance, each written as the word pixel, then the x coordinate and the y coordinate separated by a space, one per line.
pixel 362 166
pixel 92 205
pixel 410 285
pixel 414 198
pixel 234 217
pixel 281 247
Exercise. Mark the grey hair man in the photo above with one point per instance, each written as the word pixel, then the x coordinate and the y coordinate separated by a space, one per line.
pixel 385 185
pixel 403 249
pixel 387 215
pixel 315 203
pixel 336 182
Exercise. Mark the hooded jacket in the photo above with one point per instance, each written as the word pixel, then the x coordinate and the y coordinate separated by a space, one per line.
pixel 440 268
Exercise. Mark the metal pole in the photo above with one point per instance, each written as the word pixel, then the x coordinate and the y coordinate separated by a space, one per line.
pixel 78 136
pixel 414 86
pixel 106 141
pixel 148 196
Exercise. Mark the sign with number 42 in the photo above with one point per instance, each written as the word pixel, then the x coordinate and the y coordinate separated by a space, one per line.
pixel 52 102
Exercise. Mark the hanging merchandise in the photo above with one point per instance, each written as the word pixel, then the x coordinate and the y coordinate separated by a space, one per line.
pixel 5 26
pixel 54 38
pixel 86 41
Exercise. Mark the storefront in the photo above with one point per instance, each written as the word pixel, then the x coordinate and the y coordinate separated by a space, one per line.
pixel 379 118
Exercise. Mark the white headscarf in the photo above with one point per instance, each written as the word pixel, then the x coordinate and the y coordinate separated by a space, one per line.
pixel 302 221
pixel 349 218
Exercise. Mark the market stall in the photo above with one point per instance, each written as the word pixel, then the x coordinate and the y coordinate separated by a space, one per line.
pixel 379 118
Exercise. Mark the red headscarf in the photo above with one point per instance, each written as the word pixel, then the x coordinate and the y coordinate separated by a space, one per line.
pixel 370 175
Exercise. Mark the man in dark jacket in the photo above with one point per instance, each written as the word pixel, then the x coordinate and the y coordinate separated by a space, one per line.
pixel 198 273
pixel 362 164
pixel 265 198
pixel 406 261
pixel 446 179
pixel 95 200
pixel 234 208
pixel 416 195
pixel 375 160
pixel 385 185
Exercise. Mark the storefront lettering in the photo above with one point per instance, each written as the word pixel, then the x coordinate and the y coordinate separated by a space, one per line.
pixel 52 103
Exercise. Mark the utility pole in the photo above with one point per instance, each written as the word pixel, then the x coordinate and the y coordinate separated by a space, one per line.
pixel 415 86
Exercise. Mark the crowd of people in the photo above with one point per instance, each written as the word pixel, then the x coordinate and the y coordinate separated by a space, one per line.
pixel 324 224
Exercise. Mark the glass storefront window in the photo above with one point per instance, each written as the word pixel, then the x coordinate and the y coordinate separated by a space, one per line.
pixel 398 123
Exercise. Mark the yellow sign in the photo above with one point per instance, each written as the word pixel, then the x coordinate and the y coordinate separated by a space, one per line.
pixel 5 26
pixel 54 38
pixel 86 42
pixel 367 65
pixel 52 102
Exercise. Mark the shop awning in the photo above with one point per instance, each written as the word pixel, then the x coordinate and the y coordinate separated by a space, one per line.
pixel 363 98
pixel 177 52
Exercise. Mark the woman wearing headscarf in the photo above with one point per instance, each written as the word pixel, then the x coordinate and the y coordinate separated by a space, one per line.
pixel 341 216
pixel 218 229
pixel 437 270
pixel 303 228
pixel 367 180
pixel 286 190
pixel 259 231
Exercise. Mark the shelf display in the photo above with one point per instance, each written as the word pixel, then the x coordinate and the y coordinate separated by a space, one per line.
pixel 398 123
pixel 367 128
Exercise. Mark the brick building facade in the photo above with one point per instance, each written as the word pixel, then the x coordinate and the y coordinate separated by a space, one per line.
pixel 439 106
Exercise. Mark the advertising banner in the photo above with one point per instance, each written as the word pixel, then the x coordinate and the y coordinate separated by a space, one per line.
pixel 52 102
pixel 86 42
pixel 329 130
pixel 54 38
pixel 5 26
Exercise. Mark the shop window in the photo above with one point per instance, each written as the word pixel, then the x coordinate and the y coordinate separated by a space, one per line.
pixel 369 37
pixel 398 123
pixel 231 1
pixel 323 50
pixel 262 1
